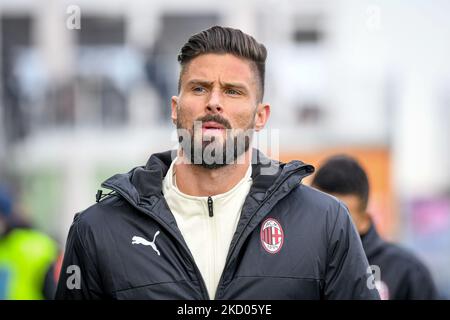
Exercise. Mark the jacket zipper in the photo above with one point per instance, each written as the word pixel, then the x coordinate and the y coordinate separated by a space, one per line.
pixel 251 217
pixel 210 207
pixel 174 234
pixel 213 237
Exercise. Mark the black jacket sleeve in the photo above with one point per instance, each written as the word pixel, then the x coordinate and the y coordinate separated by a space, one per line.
pixel 79 278
pixel 347 275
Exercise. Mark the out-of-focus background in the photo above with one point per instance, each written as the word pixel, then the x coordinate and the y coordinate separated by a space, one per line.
pixel 85 91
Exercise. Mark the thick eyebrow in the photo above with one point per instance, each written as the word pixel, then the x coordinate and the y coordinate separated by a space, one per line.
pixel 236 85
pixel 199 82
pixel 205 83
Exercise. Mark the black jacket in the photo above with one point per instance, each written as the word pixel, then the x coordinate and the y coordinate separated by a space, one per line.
pixel 321 256
pixel 405 276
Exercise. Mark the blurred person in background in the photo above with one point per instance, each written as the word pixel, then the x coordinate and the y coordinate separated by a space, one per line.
pixel 186 226
pixel 27 257
pixel 403 276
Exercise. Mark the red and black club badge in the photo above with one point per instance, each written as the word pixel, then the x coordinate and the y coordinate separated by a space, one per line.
pixel 272 235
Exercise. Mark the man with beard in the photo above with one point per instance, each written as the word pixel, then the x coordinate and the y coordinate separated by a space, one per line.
pixel 215 219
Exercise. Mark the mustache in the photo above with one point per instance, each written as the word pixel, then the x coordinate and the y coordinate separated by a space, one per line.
pixel 215 118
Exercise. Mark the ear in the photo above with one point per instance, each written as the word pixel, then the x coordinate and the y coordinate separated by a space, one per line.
pixel 261 116
pixel 174 105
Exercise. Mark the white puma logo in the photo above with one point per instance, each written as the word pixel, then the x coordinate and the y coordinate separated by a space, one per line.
pixel 140 240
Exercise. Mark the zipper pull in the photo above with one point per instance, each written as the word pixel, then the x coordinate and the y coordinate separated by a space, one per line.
pixel 99 195
pixel 210 207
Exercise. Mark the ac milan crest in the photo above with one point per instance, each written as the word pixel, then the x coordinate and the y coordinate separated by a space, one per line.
pixel 272 235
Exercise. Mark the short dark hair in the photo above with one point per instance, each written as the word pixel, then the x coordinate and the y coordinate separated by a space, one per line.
pixel 219 39
pixel 343 175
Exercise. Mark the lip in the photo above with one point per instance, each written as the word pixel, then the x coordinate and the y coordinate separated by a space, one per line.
pixel 211 125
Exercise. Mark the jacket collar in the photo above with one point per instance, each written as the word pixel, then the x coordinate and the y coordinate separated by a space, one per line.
pixel 371 242
pixel 146 181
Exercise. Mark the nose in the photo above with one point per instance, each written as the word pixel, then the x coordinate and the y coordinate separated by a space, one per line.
pixel 214 104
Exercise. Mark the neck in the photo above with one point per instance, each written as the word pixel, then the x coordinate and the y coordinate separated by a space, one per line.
pixel 362 223
pixel 195 180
